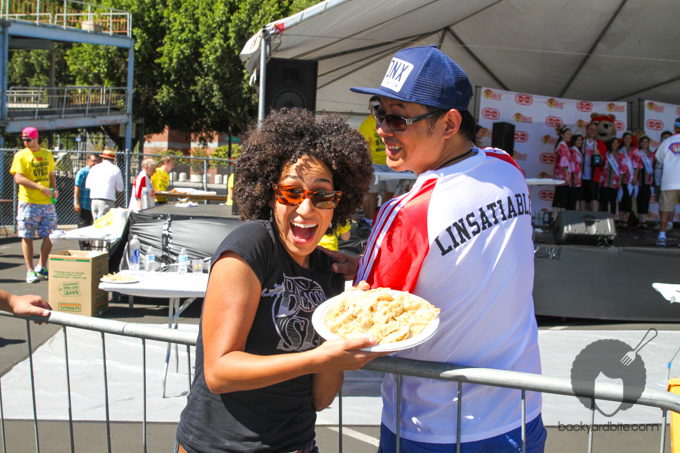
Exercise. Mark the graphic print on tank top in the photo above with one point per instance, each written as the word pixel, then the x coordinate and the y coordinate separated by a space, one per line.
pixel 295 296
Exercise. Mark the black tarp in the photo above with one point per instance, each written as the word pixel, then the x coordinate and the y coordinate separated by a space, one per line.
pixel 200 229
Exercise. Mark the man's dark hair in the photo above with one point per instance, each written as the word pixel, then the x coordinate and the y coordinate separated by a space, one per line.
pixel 288 135
pixel 467 124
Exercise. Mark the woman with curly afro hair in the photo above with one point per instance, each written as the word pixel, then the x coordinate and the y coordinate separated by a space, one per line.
pixel 261 369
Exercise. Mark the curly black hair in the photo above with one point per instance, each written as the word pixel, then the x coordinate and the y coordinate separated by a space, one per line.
pixel 289 134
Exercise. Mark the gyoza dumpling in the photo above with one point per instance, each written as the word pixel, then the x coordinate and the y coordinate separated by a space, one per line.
pixel 364 322
pixel 397 335
pixel 380 331
pixel 339 318
pixel 383 316
pixel 413 304
pixel 351 330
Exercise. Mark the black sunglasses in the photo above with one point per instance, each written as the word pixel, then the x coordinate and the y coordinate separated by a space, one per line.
pixel 292 196
pixel 27 139
pixel 396 122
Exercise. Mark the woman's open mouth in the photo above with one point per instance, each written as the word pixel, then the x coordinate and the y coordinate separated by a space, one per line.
pixel 303 232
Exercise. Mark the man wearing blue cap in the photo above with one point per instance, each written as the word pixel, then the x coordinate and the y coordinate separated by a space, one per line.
pixel 461 238
pixel 668 154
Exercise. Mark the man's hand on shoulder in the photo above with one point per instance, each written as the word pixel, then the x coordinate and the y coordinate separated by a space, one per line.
pixel 343 263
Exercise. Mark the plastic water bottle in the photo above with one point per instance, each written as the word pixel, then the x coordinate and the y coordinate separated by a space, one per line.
pixel 54 200
pixel 182 261
pixel 150 259
pixel 134 252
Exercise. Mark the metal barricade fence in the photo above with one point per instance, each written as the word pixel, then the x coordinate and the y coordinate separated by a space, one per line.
pixel 525 382
pixel 198 173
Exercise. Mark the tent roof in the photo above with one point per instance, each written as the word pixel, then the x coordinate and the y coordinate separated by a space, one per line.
pixel 609 50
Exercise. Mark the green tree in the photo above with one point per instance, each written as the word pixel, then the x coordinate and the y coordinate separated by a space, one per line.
pixel 31 68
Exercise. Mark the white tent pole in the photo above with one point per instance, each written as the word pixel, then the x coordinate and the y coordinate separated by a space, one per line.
pixel 264 44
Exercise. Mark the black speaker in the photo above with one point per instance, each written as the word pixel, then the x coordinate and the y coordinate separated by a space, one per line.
pixel 290 83
pixel 585 228
pixel 503 137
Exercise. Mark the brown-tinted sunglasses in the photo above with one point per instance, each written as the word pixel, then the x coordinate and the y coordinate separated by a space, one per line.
pixel 293 196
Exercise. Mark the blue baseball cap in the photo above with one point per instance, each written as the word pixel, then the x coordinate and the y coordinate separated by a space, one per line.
pixel 424 75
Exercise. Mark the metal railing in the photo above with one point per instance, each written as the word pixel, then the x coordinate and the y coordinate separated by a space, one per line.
pixel 202 173
pixel 69 14
pixel 525 382
pixel 60 102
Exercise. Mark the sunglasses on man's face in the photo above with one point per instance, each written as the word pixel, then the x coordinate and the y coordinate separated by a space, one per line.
pixel 293 196
pixel 396 122
pixel 27 139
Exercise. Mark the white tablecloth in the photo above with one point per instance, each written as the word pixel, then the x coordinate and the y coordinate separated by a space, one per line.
pixel 544 182
pixel 388 175
pixel 89 233
pixel 160 284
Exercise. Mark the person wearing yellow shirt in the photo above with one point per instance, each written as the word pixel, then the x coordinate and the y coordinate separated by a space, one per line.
pixel 161 178
pixel 230 190
pixel 33 170
pixel 330 241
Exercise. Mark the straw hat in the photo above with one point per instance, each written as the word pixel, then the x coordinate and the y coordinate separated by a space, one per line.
pixel 109 154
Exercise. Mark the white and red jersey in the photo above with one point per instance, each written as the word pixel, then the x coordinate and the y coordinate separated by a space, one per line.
pixel 461 239
pixel 562 156
pixel 645 163
pixel 142 181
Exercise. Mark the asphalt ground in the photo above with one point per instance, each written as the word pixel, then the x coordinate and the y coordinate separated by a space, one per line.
pixel 92 436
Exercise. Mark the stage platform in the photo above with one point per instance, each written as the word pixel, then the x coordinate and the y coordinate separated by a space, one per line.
pixel 611 283
pixel 606 283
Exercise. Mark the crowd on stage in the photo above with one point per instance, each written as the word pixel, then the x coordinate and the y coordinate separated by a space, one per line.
pixel 619 175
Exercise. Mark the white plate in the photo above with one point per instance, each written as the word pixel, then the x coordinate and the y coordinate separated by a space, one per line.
pixel 322 310
pixel 116 281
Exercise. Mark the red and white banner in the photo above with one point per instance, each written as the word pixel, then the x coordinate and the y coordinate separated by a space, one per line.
pixel 535 118
pixel 657 118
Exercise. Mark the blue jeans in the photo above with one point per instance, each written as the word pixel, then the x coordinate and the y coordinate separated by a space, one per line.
pixel 508 442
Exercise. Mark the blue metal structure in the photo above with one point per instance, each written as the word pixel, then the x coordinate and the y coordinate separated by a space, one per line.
pixel 32 26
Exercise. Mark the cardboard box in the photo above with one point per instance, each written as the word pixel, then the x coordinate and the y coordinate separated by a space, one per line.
pixel 74 282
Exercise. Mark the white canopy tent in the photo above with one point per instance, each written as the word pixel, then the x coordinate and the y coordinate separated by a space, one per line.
pixel 604 50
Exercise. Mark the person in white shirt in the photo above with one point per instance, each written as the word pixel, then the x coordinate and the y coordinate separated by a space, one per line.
pixel 104 180
pixel 142 182
pixel 668 154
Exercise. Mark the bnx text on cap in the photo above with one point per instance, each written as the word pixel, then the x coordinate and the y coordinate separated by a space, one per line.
pixel 424 75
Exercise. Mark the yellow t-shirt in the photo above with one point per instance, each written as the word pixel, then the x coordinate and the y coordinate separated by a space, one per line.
pixel 330 241
pixel 230 185
pixel 160 181
pixel 36 167
pixel 367 129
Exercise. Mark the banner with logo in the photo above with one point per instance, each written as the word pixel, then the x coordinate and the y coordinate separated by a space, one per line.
pixel 658 117
pixel 535 118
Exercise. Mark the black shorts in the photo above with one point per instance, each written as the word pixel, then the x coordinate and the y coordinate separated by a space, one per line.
pixel 561 197
pixel 575 195
pixel 590 190
pixel 626 203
